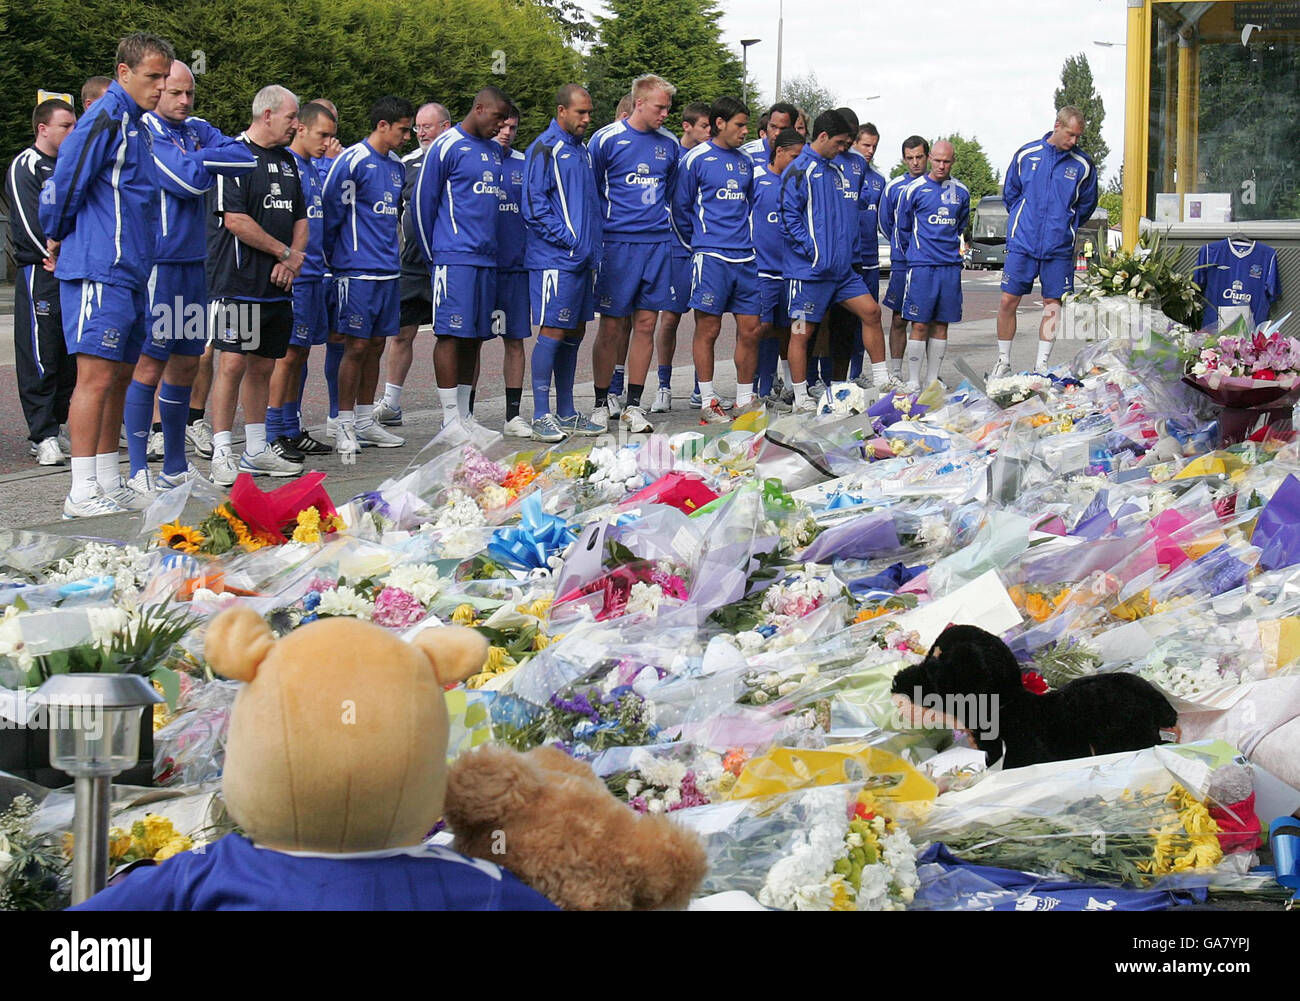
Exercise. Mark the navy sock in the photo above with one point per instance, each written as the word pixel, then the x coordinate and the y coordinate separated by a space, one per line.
pixel 137 415
pixel 333 355
pixel 769 352
pixel 616 382
pixel 634 394
pixel 291 419
pixel 545 351
pixel 173 408
pixel 665 376
pixel 566 370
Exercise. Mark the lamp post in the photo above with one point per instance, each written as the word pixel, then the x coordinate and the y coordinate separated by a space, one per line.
pixel 94 722
pixel 745 43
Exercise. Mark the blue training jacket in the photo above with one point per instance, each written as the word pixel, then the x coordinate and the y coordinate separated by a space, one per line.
pixel 712 196
pixel 935 213
pixel 898 241
pixel 102 200
pixel 1048 192
pixel 560 204
pixel 313 265
pixel 869 201
pixel 512 234
pixel 456 200
pixel 769 236
pixel 362 199
pixel 188 157
pixel 635 171
pixel 816 217
pixel 853 165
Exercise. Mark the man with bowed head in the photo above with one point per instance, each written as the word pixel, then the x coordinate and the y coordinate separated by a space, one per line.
pixel 562 212
pixel 456 207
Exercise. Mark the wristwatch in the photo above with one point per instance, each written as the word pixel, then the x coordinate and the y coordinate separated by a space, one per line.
pixel 286 254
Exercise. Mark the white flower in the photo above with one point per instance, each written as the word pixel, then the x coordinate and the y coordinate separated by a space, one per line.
pixel 749 641
pixel 420 580
pixel 644 598
pixel 345 601
pixel 633 787
pixel 459 510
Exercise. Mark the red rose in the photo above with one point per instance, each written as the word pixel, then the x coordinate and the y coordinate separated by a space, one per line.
pixel 1033 682
pixel 1265 373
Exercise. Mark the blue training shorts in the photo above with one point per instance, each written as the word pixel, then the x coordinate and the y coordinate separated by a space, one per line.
pixel 680 271
pixel 772 301
pixel 721 286
pixel 178 311
pixel 897 285
pixel 1055 274
pixel 107 321
pixel 368 307
pixel 933 294
pixel 464 296
pixel 634 276
pixel 311 319
pixel 510 317
pixel 809 300
pixel 561 300
pixel 870 278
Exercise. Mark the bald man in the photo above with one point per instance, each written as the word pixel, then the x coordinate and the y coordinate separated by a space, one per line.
pixel 934 209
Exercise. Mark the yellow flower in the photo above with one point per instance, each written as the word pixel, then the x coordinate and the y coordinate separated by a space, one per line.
pixel 537 609
pixel 180 537
pixel 840 899
pixel 175 846
pixel 308 529
pixel 541 641
pixel 465 615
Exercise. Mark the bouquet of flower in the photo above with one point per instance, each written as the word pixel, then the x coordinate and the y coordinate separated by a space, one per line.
pixel 1261 358
pixel 588 720
pixel 493 485
pixel 1009 390
pixel 666 782
pixel 1148 274
pixel 396 600
pixel 31 867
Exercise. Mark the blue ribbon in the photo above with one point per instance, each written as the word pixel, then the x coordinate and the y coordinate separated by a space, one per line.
pixel 538 536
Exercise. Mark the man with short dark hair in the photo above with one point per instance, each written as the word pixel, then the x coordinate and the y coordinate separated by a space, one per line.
pixel 868 262
pixel 46 374
pixel 1050 191
pixel 695 130
pixel 456 204
pixel 362 198
pixel 769 250
pixel 712 199
pixel 916 152
pixel 510 315
pixel 92 90
pixel 257 245
pixel 781 115
pixel 818 258
pixel 431 121
pixel 100 213
pixel 315 132
pixel 562 212
pixel 189 154
pixel 934 209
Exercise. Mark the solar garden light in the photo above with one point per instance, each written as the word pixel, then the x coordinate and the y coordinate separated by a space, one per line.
pixel 94 722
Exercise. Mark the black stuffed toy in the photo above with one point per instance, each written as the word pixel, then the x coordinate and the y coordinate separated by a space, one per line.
pixel 975 672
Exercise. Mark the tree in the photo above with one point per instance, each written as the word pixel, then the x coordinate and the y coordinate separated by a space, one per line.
pixel 679 40
pixel 970 166
pixel 1077 89
pixel 809 96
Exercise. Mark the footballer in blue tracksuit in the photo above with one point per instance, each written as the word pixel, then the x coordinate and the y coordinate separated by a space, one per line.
pixel 916 152
pixel 934 209
pixel 635 162
pixel 819 253
pixel 780 116
pixel 1050 191
pixel 101 206
pixel 510 317
pixel 769 251
pixel 869 197
pixel 188 154
pixel 712 197
pixel 457 204
pixel 362 199
pixel 562 211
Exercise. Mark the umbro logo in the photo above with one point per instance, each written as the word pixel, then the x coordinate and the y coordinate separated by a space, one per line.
pixel 624 142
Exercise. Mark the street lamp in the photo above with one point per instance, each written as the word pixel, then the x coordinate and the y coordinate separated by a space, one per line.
pixel 94 722
pixel 745 43
pixel 1110 45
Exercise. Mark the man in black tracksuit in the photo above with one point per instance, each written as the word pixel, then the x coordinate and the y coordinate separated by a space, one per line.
pixel 46 373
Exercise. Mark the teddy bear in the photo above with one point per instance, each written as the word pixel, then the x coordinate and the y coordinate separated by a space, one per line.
pixel 552 822
pixel 335 774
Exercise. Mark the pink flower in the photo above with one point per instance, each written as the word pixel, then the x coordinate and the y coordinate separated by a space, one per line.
pixel 321 584
pixel 397 609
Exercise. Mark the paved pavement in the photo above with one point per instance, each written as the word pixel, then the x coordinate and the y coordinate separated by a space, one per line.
pixel 31 496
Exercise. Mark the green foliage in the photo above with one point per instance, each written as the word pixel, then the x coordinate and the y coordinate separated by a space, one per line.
pixel 1077 89
pixel 351 51
pixel 139 649
pixel 809 96
pixel 1113 203
pixel 680 40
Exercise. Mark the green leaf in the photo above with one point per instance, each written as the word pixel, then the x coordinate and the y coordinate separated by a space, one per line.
pixel 170 682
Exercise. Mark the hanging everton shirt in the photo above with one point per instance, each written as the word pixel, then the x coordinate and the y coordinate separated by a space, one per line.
pixel 1239 278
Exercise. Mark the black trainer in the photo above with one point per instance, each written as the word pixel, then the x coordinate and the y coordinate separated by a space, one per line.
pixel 284 448
pixel 308 445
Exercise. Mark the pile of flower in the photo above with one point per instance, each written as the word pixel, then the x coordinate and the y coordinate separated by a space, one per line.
pixel 1266 355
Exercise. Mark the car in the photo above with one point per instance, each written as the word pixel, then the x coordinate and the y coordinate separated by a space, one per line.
pixel 883 250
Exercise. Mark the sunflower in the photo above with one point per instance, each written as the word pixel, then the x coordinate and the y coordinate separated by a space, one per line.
pixel 181 538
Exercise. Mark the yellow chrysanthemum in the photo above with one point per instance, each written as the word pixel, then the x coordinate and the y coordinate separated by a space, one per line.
pixel 537 609
pixel 181 538
pixel 308 529
pixel 175 846
pixel 840 899
pixel 465 615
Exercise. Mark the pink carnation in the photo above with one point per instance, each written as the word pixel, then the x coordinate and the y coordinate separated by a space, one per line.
pixel 321 584
pixel 397 609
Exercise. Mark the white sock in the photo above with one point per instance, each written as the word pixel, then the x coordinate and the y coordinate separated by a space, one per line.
pixel 254 438
pixel 706 393
pixel 462 400
pixel 784 366
pixel 915 356
pixel 1044 352
pixel 1004 351
pixel 879 373
pixel 347 418
pixel 935 348
pixel 450 406
pixel 744 394
pixel 364 415
pixel 106 470
pixel 221 444
pixel 896 367
pixel 800 391
pixel 392 396
pixel 83 477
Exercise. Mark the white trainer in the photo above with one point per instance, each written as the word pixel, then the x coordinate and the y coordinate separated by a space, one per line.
pixel 127 497
pixel 378 436
pixel 1001 369
pixel 48 453
pixel 199 435
pixel 599 417
pixel 663 401
pixel 267 463
pixel 96 504
pixel 634 419
pixel 615 405
pixel 225 469
pixel 153 450
pixel 169 481
pixel 345 440
pixel 517 427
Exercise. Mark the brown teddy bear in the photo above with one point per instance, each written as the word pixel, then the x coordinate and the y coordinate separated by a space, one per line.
pixel 552 822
